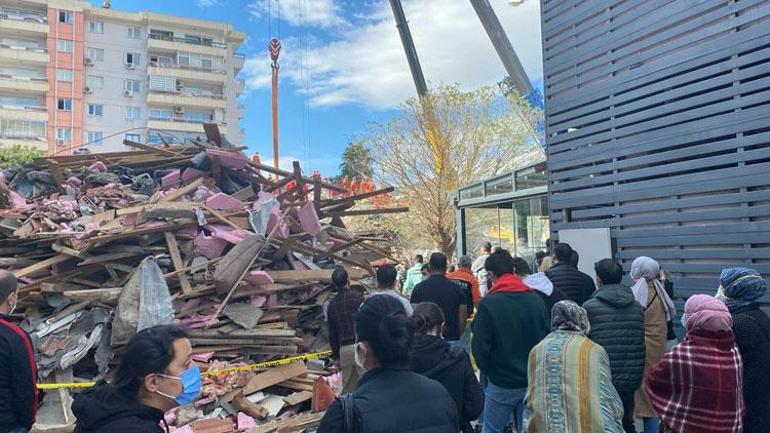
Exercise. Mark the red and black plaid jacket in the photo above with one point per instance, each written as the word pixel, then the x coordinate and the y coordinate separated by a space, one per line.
pixel 18 377
pixel 341 317
pixel 697 386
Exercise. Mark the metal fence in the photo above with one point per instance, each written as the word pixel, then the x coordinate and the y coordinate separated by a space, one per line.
pixel 658 115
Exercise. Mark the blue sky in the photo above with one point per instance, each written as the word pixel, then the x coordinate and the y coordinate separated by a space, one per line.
pixel 343 66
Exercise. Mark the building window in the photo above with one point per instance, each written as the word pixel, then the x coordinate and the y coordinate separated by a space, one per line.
pixel 64 75
pixel 161 114
pixel 132 86
pixel 95 54
pixel 95 109
pixel 94 138
pixel 64 104
pixel 64 134
pixel 66 17
pixel 197 116
pixel 21 129
pixel 64 46
pixel 95 82
pixel 134 33
pixel 133 59
pixel 133 113
pixel 96 26
pixel 136 138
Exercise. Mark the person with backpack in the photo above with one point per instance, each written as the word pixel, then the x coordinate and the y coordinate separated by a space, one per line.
pixel 389 397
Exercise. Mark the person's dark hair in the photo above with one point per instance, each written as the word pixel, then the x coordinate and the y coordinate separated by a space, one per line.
pixel 418 258
pixel 487 247
pixel 8 285
pixel 539 256
pixel 499 263
pixel 386 276
pixel 521 267
pixel 382 322
pixel 426 317
pixel 562 252
pixel 609 271
pixel 340 277
pixel 149 351
pixel 574 258
pixel 437 262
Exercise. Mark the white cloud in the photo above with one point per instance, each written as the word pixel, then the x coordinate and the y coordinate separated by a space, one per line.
pixel 206 3
pixel 366 65
pixel 320 13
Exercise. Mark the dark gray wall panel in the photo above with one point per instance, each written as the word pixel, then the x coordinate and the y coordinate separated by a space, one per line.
pixel 658 127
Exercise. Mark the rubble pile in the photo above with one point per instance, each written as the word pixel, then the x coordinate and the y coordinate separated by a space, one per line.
pixel 238 253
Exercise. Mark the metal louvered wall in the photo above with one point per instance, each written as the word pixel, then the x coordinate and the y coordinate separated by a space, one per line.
pixel 658 115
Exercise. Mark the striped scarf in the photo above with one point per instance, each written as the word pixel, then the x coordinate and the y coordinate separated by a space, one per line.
pixel 676 384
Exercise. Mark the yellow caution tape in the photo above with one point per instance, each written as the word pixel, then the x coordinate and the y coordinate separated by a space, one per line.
pixel 249 367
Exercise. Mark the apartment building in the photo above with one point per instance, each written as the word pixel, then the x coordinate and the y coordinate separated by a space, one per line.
pixel 76 76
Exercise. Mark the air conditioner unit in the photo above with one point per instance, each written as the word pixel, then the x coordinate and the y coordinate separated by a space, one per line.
pixel 179 110
pixel 88 62
pixel 129 93
pixel 60 142
pixel 86 90
pixel 130 66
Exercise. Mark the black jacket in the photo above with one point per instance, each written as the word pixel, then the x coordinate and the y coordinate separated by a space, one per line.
pixel 100 410
pixel 506 328
pixel 617 324
pixel 448 296
pixel 752 336
pixel 434 358
pixel 18 377
pixel 575 285
pixel 396 401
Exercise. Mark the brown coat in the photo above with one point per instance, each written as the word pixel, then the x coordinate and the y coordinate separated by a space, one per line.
pixel 655 334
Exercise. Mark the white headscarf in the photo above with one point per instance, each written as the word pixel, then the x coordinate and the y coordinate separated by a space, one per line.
pixel 645 269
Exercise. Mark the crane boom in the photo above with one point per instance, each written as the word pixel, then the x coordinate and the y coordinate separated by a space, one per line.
pixel 409 48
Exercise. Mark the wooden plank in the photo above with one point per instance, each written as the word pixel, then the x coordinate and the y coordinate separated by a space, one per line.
pixel 92 260
pixel 366 212
pixel 151 149
pixel 300 187
pixel 182 191
pixel 253 410
pixel 176 259
pixel 107 295
pixel 302 276
pixel 296 398
pixel 42 265
pixel 58 175
pixel 212 133
pixel 274 376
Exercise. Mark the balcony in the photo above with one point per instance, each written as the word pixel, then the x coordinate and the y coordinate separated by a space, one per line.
pixel 168 43
pixel 214 76
pixel 23 55
pixel 39 143
pixel 18 112
pixel 185 100
pixel 26 24
pixel 240 86
pixel 180 124
pixel 9 83
pixel 238 61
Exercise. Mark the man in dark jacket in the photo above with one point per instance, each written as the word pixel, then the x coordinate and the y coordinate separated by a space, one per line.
pixel 446 294
pixel 18 375
pixel 510 320
pixel 340 317
pixel 617 324
pixel 566 277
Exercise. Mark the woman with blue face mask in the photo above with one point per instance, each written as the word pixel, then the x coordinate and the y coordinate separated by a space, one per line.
pixel 156 374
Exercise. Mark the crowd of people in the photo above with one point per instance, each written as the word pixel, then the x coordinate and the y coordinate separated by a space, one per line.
pixel 492 349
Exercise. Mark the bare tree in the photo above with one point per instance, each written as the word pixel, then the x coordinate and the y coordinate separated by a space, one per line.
pixel 478 134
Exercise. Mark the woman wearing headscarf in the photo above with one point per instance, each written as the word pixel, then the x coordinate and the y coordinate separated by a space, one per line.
pixel 741 289
pixel 697 386
pixel 658 311
pixel 569 381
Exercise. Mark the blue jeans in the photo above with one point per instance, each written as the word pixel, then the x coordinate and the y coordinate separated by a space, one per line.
pixel 501 406
pixel 651 425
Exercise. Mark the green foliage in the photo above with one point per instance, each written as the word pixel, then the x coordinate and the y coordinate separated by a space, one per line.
pixel 17 155
pixel 356 161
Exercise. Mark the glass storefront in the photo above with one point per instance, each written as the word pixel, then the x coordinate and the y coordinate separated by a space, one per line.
pixel 521 226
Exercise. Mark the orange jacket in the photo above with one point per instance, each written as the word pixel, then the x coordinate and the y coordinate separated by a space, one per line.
pixel 467 275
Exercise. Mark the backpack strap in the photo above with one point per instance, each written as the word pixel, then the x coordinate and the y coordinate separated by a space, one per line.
pixel 348 413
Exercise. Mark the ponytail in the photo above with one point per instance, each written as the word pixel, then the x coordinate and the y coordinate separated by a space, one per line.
pixel 427 316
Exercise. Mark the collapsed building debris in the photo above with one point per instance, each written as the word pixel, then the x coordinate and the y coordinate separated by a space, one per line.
pixel 239 253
